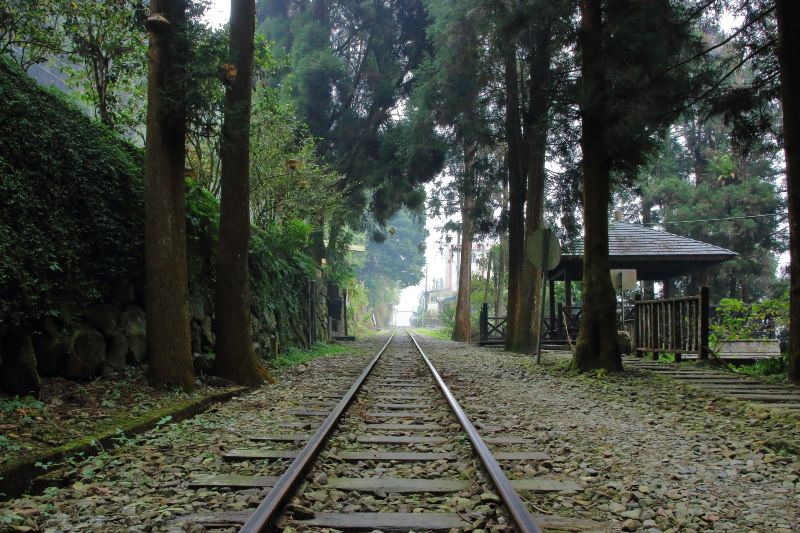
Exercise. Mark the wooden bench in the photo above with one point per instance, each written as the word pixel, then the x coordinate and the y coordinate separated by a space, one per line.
pixel 749 349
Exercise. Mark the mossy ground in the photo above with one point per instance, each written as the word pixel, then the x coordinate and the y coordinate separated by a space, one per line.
pixel 70 415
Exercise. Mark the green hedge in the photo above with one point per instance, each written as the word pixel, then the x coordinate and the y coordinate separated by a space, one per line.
pixel 71 203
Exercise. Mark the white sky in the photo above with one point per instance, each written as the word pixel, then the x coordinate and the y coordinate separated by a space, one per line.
pixel 219 12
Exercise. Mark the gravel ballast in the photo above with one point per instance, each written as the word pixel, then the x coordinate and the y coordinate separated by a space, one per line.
pixel 653 455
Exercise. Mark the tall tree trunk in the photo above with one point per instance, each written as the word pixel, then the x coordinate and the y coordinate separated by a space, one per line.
pixel 516 190
pixel 788 12
pixel 334 232
pixel 695 140
pixel 488 279
pixel 236 359
pixel 537 124
pixel 596 346
pixel 461 329
pixel 318 238
pixel 500 273
pixel 169 345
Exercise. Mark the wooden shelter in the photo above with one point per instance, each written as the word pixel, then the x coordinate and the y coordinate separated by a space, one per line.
pixel 655 255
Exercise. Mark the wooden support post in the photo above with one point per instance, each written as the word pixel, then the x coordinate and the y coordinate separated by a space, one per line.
pixel 560 326
pixel 667 291
pixel 483 323
pixel 344 311
pixel 636 325
pixel 655 311
pixel 704 309
pixel 674 312
pixel 312 322
pixel 567 290
pixel 553 327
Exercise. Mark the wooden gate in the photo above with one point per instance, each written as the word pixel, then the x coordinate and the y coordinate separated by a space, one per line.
pixel 672 325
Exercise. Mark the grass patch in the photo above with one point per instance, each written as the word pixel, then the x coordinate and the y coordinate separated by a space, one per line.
pixel 298 356
pixel 441 333
pixel 775 370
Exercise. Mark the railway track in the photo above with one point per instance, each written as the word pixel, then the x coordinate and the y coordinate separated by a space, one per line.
pixel 395 452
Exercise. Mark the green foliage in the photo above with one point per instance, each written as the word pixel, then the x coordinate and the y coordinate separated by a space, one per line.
pixel 359 314
pixel 8 404
pixel 447 314
pixel 348 68
pixel 31 30
pixel 279 264
pixel 399 252
pixel 699 175
pixel 307 192
pixel 279 270
pixel 395 258
pixel 71 204
pixel 734 319
pixel 296 356
pixel 7 445
pixel 107 43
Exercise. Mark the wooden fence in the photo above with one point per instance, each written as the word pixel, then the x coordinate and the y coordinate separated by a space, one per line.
pixel 672 325
pixel 492 328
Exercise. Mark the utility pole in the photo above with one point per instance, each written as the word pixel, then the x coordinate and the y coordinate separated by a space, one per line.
pixel 425 306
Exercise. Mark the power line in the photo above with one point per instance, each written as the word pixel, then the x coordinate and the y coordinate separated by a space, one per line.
pixel 714 219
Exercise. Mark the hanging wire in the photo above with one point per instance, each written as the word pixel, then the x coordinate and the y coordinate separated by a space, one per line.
pixel 714 219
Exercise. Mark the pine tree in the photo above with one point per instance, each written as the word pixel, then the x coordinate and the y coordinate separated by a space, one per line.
pixel 537 128
pixel 629 94
pixel 596 346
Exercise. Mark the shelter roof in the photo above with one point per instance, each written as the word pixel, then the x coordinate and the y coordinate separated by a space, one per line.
pixel 655 254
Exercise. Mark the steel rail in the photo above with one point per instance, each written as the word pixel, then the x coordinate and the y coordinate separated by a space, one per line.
pixel 270 507
pixel 516 508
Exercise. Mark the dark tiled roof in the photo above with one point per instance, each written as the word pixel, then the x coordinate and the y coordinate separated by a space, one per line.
pixel 626 239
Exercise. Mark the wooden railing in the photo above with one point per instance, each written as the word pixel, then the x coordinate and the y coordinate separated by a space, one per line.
pixel 492 328
pixel 672 325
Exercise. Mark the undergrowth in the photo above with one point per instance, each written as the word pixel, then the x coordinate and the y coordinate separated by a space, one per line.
pixel 774 370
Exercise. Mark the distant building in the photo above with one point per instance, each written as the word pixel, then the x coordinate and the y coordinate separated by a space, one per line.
pixel 479 251
pixel 434 299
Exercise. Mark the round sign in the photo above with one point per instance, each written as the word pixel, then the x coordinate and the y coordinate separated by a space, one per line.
pixel 543 249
